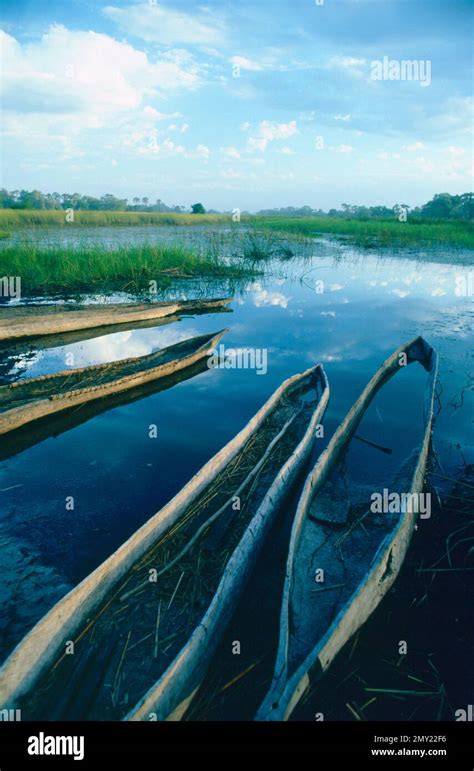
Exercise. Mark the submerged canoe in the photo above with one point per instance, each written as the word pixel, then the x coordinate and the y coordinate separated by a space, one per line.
pixel 154 611
pixel 27 401
pixel 25 321
pixel 359 563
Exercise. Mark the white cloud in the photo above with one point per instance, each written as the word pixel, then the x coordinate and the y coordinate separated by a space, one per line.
pixel 328 357
pixel 230 152
pixel 343 117
pixel 286 150
pixel 456 150
pixel 245 64
pixel 344 149
pixel 425 165
pixel 271 131
pixel 62 89
pixel 268 131
pixel 181 129
pixel 384 156
pixel 257 143
pixel 68 72
pixel 415 147
pixel 412 278
pixel 438 292
pixel 262 297
pixel 351 65
pixel 203 152
pixel 150 112
pixel 400 293
pixel 231 174
pixel 157 24
pixel 151 147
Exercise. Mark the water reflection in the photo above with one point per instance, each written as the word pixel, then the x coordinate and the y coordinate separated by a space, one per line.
pixel 359 312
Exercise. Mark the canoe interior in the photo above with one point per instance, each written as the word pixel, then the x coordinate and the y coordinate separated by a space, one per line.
pixel 23 392
pixel 138 630
pixel 340 535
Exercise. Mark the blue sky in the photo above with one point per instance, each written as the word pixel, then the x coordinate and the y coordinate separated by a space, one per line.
pixel 237 104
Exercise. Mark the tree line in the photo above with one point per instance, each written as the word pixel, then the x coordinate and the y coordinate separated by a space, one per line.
pixel 35 199
pixel 441 206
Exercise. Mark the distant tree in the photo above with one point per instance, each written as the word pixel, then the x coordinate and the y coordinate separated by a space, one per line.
pixel 440 206
pixel 465 208
pixel 145 201
pixel 198 208
pixel 136 201
pixel 110 203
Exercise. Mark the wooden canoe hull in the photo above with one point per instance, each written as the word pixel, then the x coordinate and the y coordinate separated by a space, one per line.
pixel 39 408
pixel 21 322
pixel 287 688
pixel 34 655
pixel 171 695
pixel 56 424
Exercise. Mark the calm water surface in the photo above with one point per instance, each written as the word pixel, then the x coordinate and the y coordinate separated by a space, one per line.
pixel 342 309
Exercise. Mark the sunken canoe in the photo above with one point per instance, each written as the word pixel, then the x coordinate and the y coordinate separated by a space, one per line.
pixel 26 321
pixel 153 613
pixel 27 401
pixel 360 553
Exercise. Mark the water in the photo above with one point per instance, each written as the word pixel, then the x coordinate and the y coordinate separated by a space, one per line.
pixel 340 308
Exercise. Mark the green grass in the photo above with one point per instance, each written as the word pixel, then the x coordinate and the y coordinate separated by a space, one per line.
pixel 372 233
pixel 14 218
pixel 365 233
pixel 54 270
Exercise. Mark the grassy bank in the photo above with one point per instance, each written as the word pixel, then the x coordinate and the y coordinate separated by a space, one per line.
pixel 16 218
pixel 50 270
pixel 369 233
pixel 363 233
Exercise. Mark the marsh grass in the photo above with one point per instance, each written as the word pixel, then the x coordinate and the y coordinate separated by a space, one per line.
pixel 364 233
pixel 53 269
pixel 374 233
pixel 14 218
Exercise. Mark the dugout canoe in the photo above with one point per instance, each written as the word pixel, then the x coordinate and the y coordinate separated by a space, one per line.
pixel 56 424
pixel 11 348
pixel 359 564
pixel 153 613
pixel 27 321
pixel 27 401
